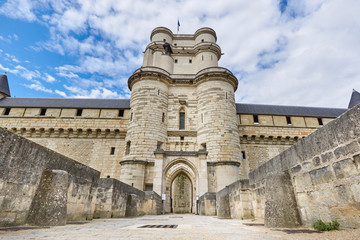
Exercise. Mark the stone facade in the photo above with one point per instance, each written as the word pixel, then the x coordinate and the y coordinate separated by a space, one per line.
pixel 182 121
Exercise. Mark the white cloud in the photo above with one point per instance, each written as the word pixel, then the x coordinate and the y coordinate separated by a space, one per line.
pixel 61 93
pixel 63 71
pixel 12 57
pixel 37 86
pixel 48 78
pixel 307 55
pixel 27 74
pixel 20 9
pixel 5 68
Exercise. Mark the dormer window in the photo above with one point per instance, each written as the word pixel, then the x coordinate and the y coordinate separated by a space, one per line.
pixel 256 119
pixel 43 112
pixel 288 120
pixel 320 122
pixel 79 112
pixel 7 111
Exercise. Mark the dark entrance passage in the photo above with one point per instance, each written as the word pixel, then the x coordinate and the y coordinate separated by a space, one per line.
pixel 181 194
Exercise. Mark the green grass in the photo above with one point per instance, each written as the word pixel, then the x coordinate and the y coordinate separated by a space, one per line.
pixel 321 226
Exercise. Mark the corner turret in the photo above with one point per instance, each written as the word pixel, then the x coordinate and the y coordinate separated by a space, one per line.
pixel 355 99
pixel 4 86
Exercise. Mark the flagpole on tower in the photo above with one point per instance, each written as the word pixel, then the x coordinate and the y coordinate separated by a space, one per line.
pixel 178 25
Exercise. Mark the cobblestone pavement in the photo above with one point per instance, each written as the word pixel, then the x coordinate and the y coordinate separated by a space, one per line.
pixel 189 227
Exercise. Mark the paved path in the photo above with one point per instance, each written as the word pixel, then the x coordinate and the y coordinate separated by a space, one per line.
pixel 190 227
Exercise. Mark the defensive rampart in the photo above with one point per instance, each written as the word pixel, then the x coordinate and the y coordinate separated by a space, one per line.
pixel 42 187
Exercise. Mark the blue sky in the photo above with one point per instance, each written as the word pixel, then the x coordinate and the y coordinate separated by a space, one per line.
pixel 284 52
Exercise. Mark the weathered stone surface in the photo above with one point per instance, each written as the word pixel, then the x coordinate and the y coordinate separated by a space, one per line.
pixel 207 204
pixel 116 199
pixel 345 168
pixel 280 206
pixel 49 207
pixel 327 157
pixel 321 175
pixel 222 203
pixel 23 163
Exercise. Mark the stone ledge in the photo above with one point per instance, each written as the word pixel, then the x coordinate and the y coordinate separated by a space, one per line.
pixel 219 163
pixel 180 153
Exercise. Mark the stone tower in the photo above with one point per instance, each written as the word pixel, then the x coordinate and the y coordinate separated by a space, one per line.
pixel 183 117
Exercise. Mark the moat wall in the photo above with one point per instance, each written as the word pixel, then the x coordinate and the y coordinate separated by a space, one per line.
pixel 116 199
pixel 29 176
pixel 323 172
pixel 317 178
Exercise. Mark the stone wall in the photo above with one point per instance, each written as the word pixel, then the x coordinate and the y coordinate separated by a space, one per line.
pixel 324 172
pixel 116 199
pixel 207 204
pixel 235 201
pixel 87 139
pixel 22 164
pixel 41 187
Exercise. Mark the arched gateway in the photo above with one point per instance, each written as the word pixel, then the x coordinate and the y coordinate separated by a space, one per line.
pixel 182 139
pixel 180 186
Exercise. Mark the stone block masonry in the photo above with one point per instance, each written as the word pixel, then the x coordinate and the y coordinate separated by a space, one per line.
pixel 42 187
pixel 116 199
pixel 49 206
pixel 22 165
pixel 324 175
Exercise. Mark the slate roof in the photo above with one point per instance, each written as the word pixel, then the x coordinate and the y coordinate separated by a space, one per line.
pixel 355 99
pixel 241 108
pixel 288 110
pixel 4 85
pixel 65 103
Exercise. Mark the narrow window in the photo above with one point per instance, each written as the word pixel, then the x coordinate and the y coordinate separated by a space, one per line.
pixel 163 117
pixel 181 120
pixel 176 61
pixel 43 112
pixel 7 111
pixel 132 184
pixel 202 57
pixel 288 120
pixel 203 145
pixel 158 92
pixel 202 118
pixel 320 121
pixel 159 145
pixel 79 112
pixel 226 95
pixel 211 57
pixel 182 138
pixel 131 116
pixel 243 155
pixel 112 151
pixel 190 60
pixel 127 150
pixel 121 113
pixel 148 187
pixel 256 119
